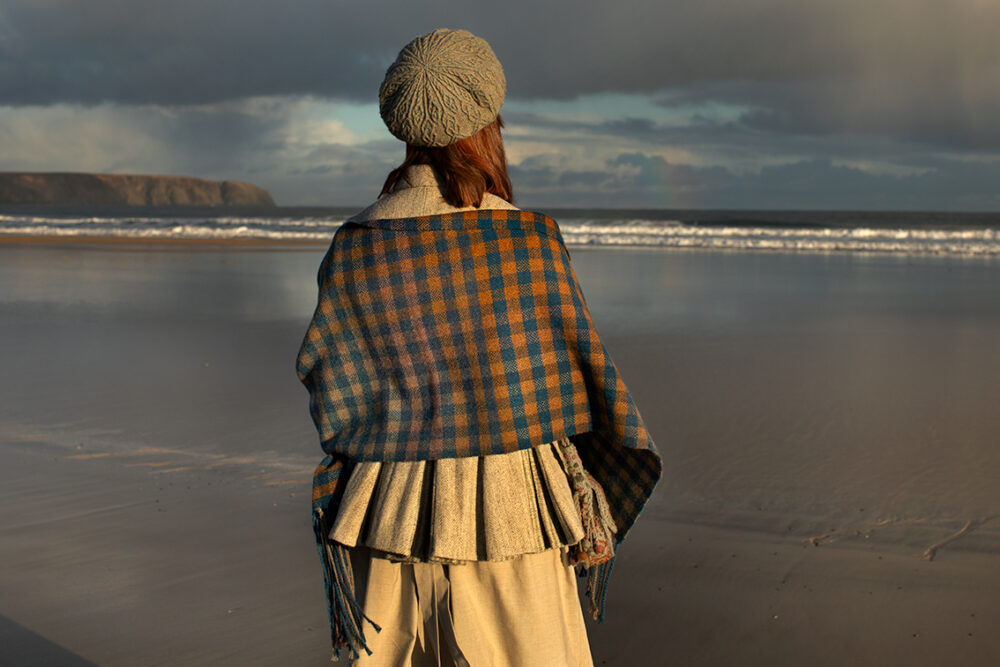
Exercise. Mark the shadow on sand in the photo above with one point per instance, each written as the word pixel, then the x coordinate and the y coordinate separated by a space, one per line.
pixel 20 647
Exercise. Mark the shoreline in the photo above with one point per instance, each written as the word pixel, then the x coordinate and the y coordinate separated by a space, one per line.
pixel 262 243
pixel 257 243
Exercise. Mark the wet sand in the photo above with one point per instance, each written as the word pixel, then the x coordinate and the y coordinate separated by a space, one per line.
pixel 827 423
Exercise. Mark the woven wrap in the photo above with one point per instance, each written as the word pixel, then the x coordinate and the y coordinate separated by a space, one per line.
pixel 443 86
pixel 464 334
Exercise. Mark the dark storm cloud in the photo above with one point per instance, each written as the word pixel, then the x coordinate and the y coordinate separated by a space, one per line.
pixel 185 51
pixel 209 50
pixel 952 113
pixel 220 139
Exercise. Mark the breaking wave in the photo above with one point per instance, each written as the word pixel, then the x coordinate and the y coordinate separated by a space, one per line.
pixel 577 230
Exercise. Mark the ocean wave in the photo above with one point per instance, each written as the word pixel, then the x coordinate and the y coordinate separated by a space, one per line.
pixel 576 232
pixel 49 222
pixel 859 239
pixel 193 232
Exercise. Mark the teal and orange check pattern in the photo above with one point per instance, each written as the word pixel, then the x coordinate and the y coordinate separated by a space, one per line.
pixel 459 335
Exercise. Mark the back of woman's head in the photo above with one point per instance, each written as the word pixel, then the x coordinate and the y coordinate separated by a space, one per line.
pixel 442 96
pixel 466 169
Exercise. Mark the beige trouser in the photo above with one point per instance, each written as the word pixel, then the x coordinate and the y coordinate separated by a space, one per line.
pixel 519 612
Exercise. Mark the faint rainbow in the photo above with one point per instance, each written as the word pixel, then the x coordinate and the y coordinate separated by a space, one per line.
pixel 671 187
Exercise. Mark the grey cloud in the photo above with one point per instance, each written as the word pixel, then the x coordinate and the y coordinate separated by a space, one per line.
pixel 331 184
pixel 209 50
pixel 204 140
pixel 218 141
pixel 385 149
pixel 925 70
pixel 335 174
pixel 184 51
pixel 651 181
pixel 255 142
pixel 850 80
pixel 946 114
pixel 740 141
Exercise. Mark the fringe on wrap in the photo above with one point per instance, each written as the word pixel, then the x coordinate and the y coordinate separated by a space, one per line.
pixel 596 551
pixel 597 589
pixel 346 615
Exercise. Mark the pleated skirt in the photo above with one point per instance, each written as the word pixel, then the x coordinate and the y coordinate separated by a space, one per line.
pixel 488 508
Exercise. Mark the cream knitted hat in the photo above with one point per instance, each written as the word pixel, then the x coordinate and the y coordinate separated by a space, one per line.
pixel 444 86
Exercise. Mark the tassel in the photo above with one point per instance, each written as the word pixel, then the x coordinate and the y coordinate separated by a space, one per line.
pixel 596 551
pixel 597 545
pixel 346 616
pixel 597 588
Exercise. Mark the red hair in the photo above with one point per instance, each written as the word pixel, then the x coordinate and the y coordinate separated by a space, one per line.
pixel 467 169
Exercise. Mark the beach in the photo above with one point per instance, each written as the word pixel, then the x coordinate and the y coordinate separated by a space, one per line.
pixel 827 423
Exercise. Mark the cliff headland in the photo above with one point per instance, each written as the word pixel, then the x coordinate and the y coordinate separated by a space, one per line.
pixel 126 189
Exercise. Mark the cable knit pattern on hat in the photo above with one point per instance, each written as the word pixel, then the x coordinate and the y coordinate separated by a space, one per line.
pixel 444 86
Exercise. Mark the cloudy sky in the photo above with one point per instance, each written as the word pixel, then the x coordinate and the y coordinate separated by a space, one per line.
pixel 846 104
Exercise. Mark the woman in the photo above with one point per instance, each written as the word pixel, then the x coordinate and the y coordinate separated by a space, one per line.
pixel 479 440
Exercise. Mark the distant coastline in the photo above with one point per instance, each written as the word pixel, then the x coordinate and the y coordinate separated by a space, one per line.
pixel 66 188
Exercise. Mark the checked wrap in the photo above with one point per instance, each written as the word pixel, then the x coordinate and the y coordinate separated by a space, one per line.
pixel 463 334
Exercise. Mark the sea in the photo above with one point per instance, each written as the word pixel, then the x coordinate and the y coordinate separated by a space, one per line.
pixel 940 233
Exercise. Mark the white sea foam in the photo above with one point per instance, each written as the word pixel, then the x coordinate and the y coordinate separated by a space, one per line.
pixel 678 235
pixel 578 231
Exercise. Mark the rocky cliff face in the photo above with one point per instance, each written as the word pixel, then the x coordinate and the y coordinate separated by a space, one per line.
pixel 129 189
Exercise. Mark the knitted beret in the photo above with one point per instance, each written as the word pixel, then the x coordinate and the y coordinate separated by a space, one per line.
pixel 444 86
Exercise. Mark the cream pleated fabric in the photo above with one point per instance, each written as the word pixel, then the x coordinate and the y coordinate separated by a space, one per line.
pixel 521 612
pixel 487 508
